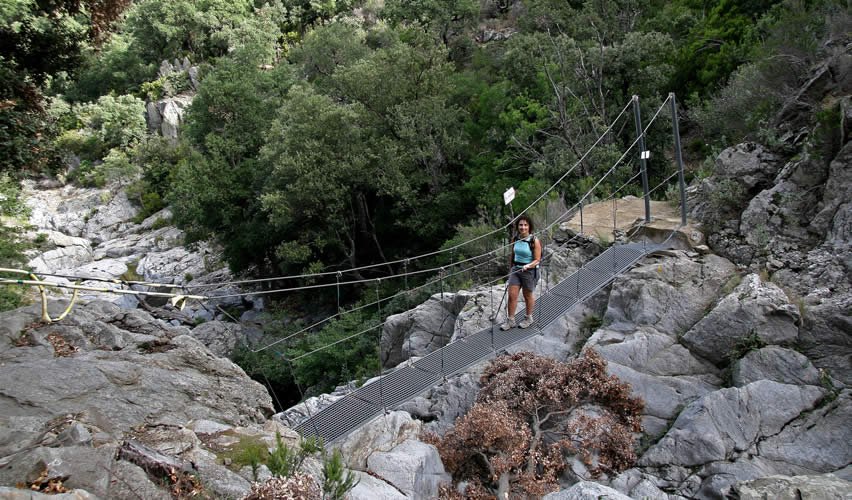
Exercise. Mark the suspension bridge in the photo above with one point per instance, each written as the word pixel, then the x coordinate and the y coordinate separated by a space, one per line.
pixel 414 377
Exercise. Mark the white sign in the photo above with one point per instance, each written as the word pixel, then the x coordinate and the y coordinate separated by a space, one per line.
pixel 509 195
pixel 646 155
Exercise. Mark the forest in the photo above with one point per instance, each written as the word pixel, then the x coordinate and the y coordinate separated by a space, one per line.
pixel 337 134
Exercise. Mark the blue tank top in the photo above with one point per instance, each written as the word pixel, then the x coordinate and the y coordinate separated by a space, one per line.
pixel 524 250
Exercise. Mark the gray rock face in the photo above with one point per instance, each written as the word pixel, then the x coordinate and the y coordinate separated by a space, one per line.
pixel 670 294
pixel 819 442
pixel 372 488
pixel 825 336
pixel 19 494
pixel 775 363
pixel 753 307
pixel 426 328
pixel 587 490
pixel 413 467
pixel 824 487
pixel 380 435
pixel 157 372
pixel 220 337
pixel 729 422
pixel 749 164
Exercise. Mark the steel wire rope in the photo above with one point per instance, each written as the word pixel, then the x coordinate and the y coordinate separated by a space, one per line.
pixel 371 304
pixel 349 337
pixel 495 257
pixel 434 269
pixel 444 250
pixel 329 273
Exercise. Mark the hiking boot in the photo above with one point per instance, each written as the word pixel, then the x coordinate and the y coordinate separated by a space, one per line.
pixel 508 325
pixel 527 322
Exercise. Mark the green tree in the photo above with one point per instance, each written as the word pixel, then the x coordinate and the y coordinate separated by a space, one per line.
pixel 167 29
pixel 12 244
pixel 217 194
pixel 39 40
pixel 445 18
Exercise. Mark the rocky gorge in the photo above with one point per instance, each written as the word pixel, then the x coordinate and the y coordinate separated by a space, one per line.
pixel 741 350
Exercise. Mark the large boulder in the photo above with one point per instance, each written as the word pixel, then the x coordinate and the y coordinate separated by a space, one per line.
pixel 753 308
pixel 586 490
pixel 379 435
pixel 818 442
pixel 749 164
pixel 823 487
pixel 220 337
pixel 730 421
pixel 415 468
pixel 150 371
pixel 775 363
pixel 422 330
pixel 670 292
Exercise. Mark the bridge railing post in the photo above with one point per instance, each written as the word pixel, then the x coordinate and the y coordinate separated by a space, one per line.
pixel 679 158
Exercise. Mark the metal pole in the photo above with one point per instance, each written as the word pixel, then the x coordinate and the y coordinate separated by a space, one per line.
pixel 637 115
pixel 581 215
pixel 679 157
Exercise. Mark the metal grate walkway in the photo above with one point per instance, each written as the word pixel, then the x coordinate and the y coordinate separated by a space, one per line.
pixel 370 400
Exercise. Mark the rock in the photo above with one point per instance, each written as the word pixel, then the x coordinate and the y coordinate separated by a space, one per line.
pixel 825 338
pixel 379 435
pixel 119 389
pixel 775 363
pixel 7 493
pixel 669 293
pixel 426 328
pixel 818 442
pixel 373 488
pixel 166 115
pixel 753 308
pixel 664 395
pixel 586 490
pixel 220 337
pixel 109 220
pixel 413 467
pixel 730 421
pixel 295 415
pixel 81 467
pixel 749 164
pixel 443 404
pixel 172 265
pixel 823 487
pixel 651 352
pixel 221 482
pixel 61 258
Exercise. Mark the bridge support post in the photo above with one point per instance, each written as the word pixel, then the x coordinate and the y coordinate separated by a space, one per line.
pixel 640 133
pixel 679 157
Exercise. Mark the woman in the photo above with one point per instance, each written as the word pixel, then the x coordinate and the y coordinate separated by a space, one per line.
pixel 525 258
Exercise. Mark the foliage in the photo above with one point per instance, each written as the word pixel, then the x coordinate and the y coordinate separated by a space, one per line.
pixel 216 192
pixel 350 359
pixel 12 244
pixel 169 29
pixel 789 39
pixel 284 461
pixel 745 345
pixel 335 483
pixel 530 414
pixel 39 40
pixel 114 68
pixel 716 45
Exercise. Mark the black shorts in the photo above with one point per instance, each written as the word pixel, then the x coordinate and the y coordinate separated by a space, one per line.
pixel 524 279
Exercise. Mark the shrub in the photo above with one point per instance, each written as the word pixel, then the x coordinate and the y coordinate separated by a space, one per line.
pixel 533 412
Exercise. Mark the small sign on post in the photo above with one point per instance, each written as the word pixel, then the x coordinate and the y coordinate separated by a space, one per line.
pixel 508 196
